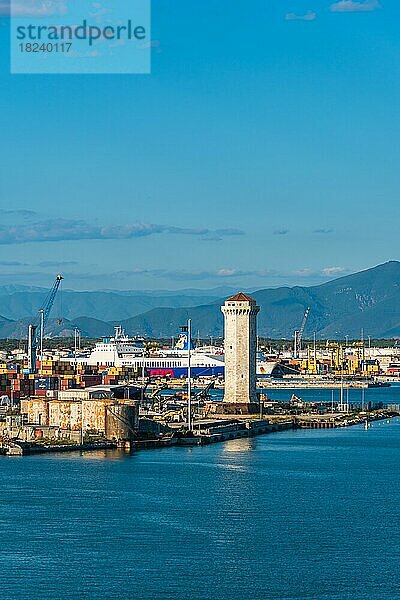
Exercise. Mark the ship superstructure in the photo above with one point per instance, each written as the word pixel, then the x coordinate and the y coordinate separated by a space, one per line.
pixel 123 351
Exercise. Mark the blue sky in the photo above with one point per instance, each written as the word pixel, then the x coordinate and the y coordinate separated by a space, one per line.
pixel 262 150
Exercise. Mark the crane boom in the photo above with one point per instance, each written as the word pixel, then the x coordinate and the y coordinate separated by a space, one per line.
pixel 49 301
pixel 304 322
pixel 44 313
pixel 298 334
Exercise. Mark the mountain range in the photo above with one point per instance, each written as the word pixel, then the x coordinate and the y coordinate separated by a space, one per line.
pixel 368 300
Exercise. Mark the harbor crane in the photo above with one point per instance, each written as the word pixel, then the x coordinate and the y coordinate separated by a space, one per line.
pixel 205 394
pixel 298 334
pixel 33 340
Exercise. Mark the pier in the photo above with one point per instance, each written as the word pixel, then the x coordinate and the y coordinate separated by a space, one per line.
pixel 18 448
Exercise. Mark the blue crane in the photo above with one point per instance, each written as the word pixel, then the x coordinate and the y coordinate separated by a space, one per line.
pixel 44 313
pixel 298 335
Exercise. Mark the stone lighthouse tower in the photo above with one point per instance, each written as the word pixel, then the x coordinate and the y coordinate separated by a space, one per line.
pixel 240 313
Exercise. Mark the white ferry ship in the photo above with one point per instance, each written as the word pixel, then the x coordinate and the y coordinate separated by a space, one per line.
pixel 123 351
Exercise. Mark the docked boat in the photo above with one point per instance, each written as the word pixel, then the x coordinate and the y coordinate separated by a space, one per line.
pixel 378 384
pixel 123 351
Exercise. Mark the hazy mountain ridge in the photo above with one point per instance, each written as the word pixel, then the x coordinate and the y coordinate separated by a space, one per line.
pixel 106 306
pixel 368 300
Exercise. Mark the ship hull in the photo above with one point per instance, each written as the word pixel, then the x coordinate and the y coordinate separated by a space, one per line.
pixel 182 372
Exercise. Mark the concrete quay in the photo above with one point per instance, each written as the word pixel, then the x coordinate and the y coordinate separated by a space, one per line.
pixel 333 421
pixel 16 448
pixel 206 432
pixel 212 431
pixel 284 384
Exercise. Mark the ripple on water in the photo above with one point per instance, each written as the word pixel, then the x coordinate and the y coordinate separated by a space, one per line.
pixel 294 515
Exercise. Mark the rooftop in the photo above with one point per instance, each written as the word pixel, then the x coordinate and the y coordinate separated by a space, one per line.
pixel 240 297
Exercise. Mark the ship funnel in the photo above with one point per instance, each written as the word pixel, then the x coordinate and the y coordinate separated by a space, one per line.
pixel 182 342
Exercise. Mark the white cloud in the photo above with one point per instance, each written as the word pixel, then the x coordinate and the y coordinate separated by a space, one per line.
pixel 58 230
pixel 333 271
pixel 323 231
pixel 304 272
pixel 308 16
pixel 317 274
pixel 195 275
pixel 355 6
pixel 12 263
pixel 17 213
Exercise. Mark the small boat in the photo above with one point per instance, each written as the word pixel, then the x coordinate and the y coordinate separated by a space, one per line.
pixel 378 384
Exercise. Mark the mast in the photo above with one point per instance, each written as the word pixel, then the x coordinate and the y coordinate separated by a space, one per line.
pixel 341 388
pixel 189 327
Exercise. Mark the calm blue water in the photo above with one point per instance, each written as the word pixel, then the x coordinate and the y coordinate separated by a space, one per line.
pixel 389 395
pixel 293 515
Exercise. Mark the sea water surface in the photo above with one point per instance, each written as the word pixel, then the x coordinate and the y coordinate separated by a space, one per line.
pixel 290 515
pixel 388 395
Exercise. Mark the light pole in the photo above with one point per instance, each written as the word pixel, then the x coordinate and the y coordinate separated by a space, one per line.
pixel 189 327
pixel 341 389
pixel 76 334
pixel 142 388
pixel 41 339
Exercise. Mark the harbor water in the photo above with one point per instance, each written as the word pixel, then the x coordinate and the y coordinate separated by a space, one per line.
pixel 290 515
pixel 386 395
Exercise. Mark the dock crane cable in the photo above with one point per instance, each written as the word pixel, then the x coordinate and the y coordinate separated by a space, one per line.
pixel 204 394
pixel 60 314
pixel 43 314
pixel 298 334
pixel 51 296
pixel 303 324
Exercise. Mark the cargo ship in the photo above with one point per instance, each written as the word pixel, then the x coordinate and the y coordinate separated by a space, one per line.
pixel 123 351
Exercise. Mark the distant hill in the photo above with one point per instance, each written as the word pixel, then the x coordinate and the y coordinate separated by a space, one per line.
pixel 95 328
pixel 5 325
pixel 166 322
pixel 368 300
pixel 18 302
